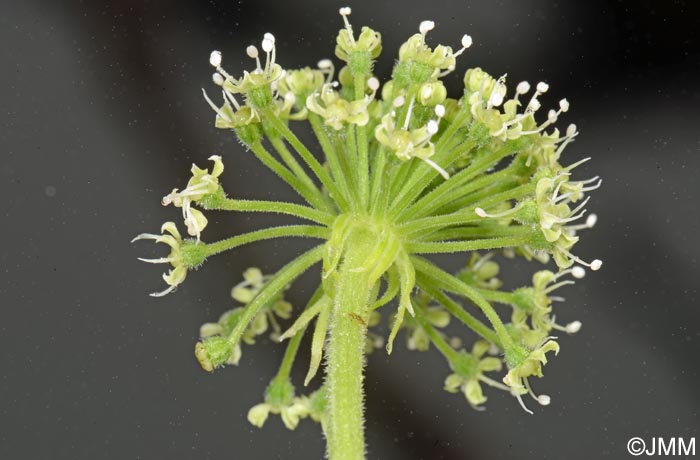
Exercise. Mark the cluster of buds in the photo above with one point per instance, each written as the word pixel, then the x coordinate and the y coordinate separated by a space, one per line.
pixel 244 293
pixel 280 399
pixel 337 111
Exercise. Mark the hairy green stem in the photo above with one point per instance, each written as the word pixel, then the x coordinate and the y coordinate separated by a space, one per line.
pixel 305 154
pixel 292 163
pixel 440 343
pixel 345 354
pixel 313 198
pixel 442 247
pixel 331 154
pixel 279 207
pixel 277 283
pixel 308 231
pixel 454 284
pixel 457 311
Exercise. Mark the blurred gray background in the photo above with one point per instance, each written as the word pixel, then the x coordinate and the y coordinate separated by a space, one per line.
pixel 101 115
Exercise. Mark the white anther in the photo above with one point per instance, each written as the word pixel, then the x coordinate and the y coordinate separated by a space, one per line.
pixel 270 37
pixel 267 45
pixel 534 105
pixel 573 327
pixel 564 105
pixel 480 212
pixel 542 87
pixel 432 127
pixel 345 11
pixel 426 26
pixel 496 99
pixel 399 101
pixel 571 130
pixel 252 52
pixel 522 88
pixel 215 58
pixel 373 84
pixel 591 220
pixel 440 110
pixel 324 64
pixel 552 116
pixel 578 272
pixel 596 264
pixel 217 79
pixel 466 41
pixel 544 400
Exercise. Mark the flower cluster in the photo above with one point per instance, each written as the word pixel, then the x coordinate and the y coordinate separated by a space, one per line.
pixel 184 255
pixel 400 169
pixel 201 185
pixel 245 292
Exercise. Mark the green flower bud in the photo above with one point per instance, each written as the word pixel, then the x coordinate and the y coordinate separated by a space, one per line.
pixel 301 83
pixel 213 352
pixel 432 94
pixel 358 53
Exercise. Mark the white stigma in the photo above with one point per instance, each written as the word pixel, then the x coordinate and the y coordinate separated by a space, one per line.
pixel 573 327
pixel 480 212
pixel 578 272
pixel 522 88
pixel 522 404
pixel 426 26
pixel 252 52
pixel 269 36
pixel 544 400
pixel 542 87
pixel 596 264
pixel 345 11
pixel 324 64
pixel 440 110
pixel 217 79
pixel 466 41
pixel 373 84
pixel 215 58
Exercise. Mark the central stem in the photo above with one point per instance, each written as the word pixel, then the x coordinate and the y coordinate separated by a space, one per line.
pixel 346 347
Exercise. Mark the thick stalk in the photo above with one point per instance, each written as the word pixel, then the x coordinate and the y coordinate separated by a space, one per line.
pixel 345 354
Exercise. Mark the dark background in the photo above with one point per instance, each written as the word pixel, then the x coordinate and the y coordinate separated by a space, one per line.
pixel 101 115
